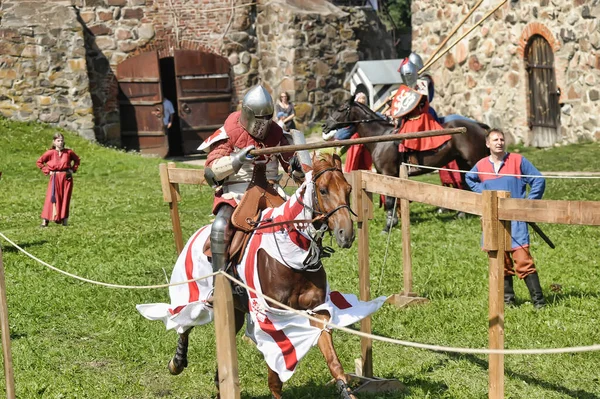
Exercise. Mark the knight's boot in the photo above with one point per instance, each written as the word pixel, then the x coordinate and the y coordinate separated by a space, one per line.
pixel 535 290
pixel 509 292
pixel 220 236
pixel 249 333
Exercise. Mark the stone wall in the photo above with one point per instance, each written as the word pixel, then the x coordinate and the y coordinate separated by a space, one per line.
pixel 42 66
pixel 484 75
pixel 308 52
pixel 60 57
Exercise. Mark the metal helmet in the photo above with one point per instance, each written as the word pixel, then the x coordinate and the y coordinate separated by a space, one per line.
pixel 417 60
pixel 257 112
pixel 409 73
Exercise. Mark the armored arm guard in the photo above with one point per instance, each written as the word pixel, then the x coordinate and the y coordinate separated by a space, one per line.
pixel 225 166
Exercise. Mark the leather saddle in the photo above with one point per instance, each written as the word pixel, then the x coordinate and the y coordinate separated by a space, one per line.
pixel 259 195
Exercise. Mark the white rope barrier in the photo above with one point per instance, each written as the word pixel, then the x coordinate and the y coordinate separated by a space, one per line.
pixel 99 282
pixel 590 176
pixel 437 348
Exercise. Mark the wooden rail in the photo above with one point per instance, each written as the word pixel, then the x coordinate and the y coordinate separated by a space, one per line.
pixel 495 208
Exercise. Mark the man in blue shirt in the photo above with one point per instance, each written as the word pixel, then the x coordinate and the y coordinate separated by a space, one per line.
pixel 520 173
pixel 168 112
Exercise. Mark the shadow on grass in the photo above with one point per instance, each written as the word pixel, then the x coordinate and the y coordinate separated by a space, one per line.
pixel 317 390
pixel 580 394
pixel 10 248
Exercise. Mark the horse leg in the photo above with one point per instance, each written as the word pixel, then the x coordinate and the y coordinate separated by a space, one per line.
pixel 239 323
pixel 391 218
pixel 333 362
pixel 179 361
pixel 275 384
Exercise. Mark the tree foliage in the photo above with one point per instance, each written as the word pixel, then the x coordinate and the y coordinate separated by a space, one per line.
pixel 399 11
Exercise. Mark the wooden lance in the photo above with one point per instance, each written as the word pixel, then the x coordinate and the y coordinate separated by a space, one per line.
pixel 362 140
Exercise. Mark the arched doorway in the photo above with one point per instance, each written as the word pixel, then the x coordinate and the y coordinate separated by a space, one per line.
pixel 196 82
pixel 543 94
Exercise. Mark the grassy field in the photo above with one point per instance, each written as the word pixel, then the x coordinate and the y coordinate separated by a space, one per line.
pixel 72 339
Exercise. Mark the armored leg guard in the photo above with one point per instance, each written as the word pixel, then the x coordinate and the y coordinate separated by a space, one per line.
pixel 220 236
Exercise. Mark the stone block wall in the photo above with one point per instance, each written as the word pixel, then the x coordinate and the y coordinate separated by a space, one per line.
pixel 484 75
pixel 307 51
pixel 60 56
pixel 43 72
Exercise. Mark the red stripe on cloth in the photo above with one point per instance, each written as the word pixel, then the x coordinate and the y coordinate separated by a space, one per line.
pixel 189 269
pixel 177 309
pixel 338 300
pixel 299 240
pixel 290 212
pixel 284 343
pixel 286 346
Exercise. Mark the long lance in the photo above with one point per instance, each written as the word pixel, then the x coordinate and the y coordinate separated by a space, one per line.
pixel 543 235
pixel 362 140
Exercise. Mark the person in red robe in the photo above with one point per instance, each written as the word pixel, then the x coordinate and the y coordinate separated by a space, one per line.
pixel 59 163
pixel 358 156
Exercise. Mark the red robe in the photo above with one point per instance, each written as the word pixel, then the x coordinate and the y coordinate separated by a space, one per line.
pixel 357 157
pixel 60 187
pixel 420 123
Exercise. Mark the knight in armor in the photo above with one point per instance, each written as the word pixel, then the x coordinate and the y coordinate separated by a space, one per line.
pixel 412 105
pixel 229 165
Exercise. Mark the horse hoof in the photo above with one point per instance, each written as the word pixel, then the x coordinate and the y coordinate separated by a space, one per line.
pixel 461 215
pixel 344 390
pixel 176 369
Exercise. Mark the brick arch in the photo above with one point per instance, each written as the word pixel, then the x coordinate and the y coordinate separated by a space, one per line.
pixel 166 47
pixel 536 28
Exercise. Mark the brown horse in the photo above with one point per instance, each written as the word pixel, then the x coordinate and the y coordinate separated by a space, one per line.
pixel 329 211
pixel 466 149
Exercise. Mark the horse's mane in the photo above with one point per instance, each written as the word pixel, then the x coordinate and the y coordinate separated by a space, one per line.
pixel 371 115
pixel 323 160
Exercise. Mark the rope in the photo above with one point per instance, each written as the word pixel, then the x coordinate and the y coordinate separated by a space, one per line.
pixel 504 174
pixel 437 348
pixel 99 282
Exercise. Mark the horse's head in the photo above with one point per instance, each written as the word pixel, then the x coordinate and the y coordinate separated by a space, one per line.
pixel 340 116
pixel 332 197
pixel 350 112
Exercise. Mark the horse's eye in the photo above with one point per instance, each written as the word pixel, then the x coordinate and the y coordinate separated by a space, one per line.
pixel 323 191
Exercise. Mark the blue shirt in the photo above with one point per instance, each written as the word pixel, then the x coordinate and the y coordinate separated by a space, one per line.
pixel 512 164
pixel 168 110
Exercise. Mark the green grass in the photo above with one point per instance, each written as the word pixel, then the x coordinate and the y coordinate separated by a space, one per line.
pixel 77 340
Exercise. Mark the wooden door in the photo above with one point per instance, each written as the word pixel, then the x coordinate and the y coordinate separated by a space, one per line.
pixel 140 104
pixel 544 110
pixel 203 95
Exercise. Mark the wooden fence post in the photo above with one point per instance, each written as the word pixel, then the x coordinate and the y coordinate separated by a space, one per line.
pixel 496 240
pixel 229 382
pixel 363 208
pixel 171 195
pixel 407 296
pixel 8 368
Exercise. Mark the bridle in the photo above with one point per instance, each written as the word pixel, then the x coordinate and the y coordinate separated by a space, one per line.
pixel 321 216
pixel 333 124
pixel 316 207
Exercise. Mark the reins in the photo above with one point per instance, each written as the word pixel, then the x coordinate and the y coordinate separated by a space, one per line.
pixel 332 123
pixel 321 216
